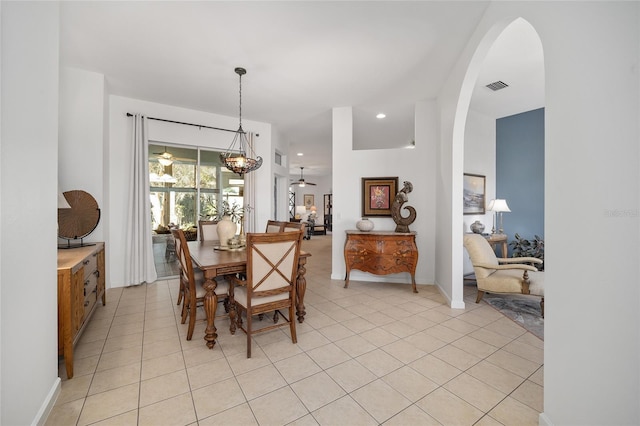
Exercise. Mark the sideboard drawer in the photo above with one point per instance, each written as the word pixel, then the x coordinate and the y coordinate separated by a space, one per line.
pixel 90 265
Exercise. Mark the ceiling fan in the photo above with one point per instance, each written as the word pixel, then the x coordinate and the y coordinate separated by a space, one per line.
pixel 301 182
pixel 166 158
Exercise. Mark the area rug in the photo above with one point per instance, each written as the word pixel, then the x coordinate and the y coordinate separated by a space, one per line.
pixel 524 311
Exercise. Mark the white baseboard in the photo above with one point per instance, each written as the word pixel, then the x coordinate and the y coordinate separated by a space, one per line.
pixel 48 403
pixel 543 420
pixel 457 305
pixel 452 305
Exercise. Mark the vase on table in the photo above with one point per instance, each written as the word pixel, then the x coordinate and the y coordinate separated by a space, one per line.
pixel 477 227
pixel 226 230
pixel 364 225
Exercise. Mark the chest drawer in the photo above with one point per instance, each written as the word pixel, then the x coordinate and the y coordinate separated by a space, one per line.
pixel 90 265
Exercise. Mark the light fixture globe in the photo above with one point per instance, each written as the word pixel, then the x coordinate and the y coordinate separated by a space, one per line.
pixel 236 158
pixel 165 161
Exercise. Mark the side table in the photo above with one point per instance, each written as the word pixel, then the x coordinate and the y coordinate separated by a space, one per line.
pixel 498 239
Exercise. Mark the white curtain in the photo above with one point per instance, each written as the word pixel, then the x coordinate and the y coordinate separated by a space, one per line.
pixel 249 193
pixel 139 264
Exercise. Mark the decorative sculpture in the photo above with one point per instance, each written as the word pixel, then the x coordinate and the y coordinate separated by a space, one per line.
pixel 402 223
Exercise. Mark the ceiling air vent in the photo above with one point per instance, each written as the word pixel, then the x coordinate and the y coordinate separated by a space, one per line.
pixel 497 85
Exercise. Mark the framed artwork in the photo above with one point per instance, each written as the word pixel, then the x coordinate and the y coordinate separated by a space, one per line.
pixel 378 195
pixel 473 193
pixel 308 201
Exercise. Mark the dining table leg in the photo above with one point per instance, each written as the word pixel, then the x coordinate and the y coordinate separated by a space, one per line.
pixel 301 287
pixel 210 306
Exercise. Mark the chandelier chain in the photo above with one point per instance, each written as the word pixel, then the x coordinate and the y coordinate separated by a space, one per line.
pixel 240 74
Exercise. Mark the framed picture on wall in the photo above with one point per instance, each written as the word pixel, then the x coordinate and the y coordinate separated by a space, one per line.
pixel 473 193
pixel 308 201
pixel 377 195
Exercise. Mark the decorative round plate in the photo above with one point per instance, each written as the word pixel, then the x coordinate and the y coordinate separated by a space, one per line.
pixel 81 219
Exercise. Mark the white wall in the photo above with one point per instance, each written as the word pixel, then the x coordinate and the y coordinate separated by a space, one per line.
pixel 95 126
pixel 592 320
pixel 479 158
pixel 281 174
pixel 414 165
pixel 29 379
pixel 82 137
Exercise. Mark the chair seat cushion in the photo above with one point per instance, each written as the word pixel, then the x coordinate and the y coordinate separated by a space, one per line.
pixel 510 281
pixel 240 297
pixel 222 287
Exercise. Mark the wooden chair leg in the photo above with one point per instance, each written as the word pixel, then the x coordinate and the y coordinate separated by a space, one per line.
pixel 180 294
pixel 192 322
pixel 185 310
pixel 292 325
pixel 479 296
pixel 248 334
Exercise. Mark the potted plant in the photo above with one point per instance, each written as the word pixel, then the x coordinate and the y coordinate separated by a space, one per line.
pixel 234 211
pixel 522 247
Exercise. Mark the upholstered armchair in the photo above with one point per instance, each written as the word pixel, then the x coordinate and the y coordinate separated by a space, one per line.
pixel 498 275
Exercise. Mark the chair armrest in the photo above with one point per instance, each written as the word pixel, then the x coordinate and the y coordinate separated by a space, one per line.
pixel 520 260
pixel 521 266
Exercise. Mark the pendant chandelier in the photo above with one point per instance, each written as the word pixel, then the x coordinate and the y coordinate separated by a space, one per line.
pixel 236 158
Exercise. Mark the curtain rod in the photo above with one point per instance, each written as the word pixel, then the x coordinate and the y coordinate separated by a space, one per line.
pixel 187 124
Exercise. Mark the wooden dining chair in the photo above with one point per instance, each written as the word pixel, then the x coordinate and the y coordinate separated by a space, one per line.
pixel 274 226
pixel 207 230
pixel 270 284
pixel 191 284
pixel 292 226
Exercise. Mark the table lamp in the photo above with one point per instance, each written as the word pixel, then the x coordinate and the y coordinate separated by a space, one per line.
pixel 498 206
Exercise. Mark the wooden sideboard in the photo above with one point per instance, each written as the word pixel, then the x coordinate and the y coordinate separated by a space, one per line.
pixel 381 253
pixel 81 282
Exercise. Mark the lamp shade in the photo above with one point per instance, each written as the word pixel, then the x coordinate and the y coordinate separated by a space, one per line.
pixel 499 205
pixel 301 210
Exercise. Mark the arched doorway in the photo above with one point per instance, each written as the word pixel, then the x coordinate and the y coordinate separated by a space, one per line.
pixel 510 52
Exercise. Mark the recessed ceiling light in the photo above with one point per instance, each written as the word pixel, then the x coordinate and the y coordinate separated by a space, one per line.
pixel 299 154
pixel 381 115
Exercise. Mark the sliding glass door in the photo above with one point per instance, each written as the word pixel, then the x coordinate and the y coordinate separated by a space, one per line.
pixel 187 184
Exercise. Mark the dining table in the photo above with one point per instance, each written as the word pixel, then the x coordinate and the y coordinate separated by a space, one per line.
pixel 216 261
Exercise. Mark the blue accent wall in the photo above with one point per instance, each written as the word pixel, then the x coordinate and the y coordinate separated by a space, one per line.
pixel 520 172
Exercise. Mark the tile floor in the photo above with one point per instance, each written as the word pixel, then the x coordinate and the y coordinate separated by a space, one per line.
pixel 372 354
